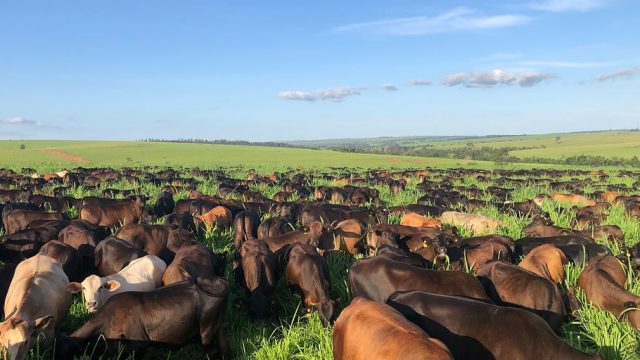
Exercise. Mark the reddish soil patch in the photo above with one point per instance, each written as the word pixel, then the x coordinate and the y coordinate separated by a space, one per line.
pixel 65 156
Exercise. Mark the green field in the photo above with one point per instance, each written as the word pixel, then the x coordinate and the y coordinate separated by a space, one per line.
pixel 58 154
pixel 52 155
pixel 614 143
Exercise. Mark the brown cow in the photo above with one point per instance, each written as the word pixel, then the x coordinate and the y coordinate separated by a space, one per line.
pixel 346 236
pixel 312 237
pixel 510 285
pixel 307 273
pixel 603 281
pixel 475 330
pixel 260 276
pixel 194 260
pixel 368 330
pixel 420 221
pixel 376 278
pixel 113 213
pixel 17 220
pixel 547 261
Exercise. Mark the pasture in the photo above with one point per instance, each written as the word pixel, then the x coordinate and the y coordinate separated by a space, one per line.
pixel 288 333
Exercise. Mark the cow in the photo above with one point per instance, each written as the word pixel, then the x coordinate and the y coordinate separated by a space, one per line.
pixel 477 224
pixel 17 220
pixel 141 274
pixel 475 330
pixel 274 226
pixel 259 268
pixel 473 252
pixel 541 227
pixel 603 281
pixel 547 261
pixel 105 212
pixel 345 236
pixel 245 226
pixel 152 239
pixel 67 256
pixel 510 285
pixel 36 302
pixel 113 254
pixel 192 260
pixel 306 272
pixel 376 278
pixel 420 221
pixel 312 237
pixel 169 316
pixel 364 322
pixel 164 204
pixel 219 217
pixel 397 254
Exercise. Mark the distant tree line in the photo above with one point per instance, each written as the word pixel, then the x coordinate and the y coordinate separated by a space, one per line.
pixel 222 142
pixel 487 153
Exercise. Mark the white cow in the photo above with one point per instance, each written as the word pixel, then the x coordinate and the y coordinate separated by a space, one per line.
pixel 143 274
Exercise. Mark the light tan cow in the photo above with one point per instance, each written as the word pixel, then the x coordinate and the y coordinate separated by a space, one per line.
pixel 478 224
pixel 573 199
pixel 37 301
pixel 420 221
pixel 219 216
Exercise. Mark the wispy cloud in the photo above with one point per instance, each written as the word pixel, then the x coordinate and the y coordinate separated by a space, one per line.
pixel 457 19
pixel 418 82
pixel 564 64
pixel 335 95
pixel 19 120
pixel 489 79
pixel 568 5
pixel 622 74
pixel 390 87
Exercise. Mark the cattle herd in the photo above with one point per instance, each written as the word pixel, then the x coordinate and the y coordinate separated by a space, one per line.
pixel 432 278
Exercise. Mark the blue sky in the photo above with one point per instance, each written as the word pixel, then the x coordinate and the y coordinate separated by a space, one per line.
pixel 276 70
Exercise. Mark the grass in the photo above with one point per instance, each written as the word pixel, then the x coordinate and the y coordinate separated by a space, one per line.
pixel 289 335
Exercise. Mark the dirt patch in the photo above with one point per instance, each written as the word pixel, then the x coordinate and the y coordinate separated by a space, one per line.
pixel 65 156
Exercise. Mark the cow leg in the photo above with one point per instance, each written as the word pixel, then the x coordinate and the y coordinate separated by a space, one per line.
pixel 214 342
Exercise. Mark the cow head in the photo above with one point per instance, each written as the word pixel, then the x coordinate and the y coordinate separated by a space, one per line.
pixel 96 290
pixel 632 313
pixel 442 243
pixel 17 335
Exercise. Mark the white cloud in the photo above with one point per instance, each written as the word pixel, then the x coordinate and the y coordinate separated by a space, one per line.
pixel 489 79
pixel 564 64
pixel 390 87
pixel 19 120
pixel 457 19
pixel 568 5
pixel 622 74
pixel 418 82
pixel 335 95
pixel 453 79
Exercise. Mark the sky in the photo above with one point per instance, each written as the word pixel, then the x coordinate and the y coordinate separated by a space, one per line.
pixel 285 70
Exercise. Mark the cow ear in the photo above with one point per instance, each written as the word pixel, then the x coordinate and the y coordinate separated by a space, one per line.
pixel 43 322
pixel 112 285
pixel 74 287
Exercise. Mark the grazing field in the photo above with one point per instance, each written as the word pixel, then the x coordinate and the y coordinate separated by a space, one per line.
pixel 51 155
pixel 614 143
pixel 290 334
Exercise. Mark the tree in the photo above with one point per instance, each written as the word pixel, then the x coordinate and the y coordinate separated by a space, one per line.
pixel 557 138
pixel 22 147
